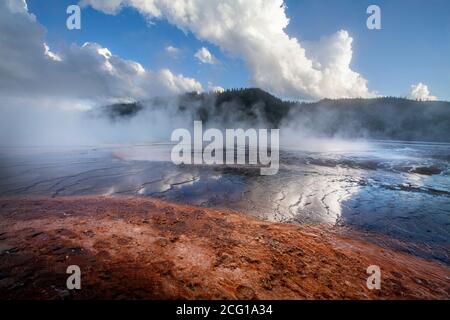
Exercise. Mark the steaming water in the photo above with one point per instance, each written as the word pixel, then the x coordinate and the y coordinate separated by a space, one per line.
pixel 397 189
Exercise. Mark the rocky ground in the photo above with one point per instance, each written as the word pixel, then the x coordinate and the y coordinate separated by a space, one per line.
pixel 141 248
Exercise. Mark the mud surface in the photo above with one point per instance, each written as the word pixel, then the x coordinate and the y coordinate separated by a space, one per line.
pixel 142 248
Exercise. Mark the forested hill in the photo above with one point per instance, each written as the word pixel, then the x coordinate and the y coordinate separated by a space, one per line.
pixel 379 118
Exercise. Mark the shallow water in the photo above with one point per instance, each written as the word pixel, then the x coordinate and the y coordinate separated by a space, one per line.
pixel 392 188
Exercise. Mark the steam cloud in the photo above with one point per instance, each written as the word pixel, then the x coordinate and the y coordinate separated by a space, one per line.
pixel 43 91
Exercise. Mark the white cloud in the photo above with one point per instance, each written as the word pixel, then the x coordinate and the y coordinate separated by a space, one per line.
pixel 28 68
pixel 420 92
pixel 166 80
pixel 204 56
pixel 214 88
pixel 172 51
pixel 255 31
pixel 17 6
pixel 50 54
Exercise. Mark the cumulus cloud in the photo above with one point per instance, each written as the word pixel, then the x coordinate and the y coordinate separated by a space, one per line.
pixel 88 73
pixel 204 56
pixel 420 92
pixel 255 31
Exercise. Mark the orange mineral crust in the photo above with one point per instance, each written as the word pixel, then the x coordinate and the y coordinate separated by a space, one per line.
pixel 141 248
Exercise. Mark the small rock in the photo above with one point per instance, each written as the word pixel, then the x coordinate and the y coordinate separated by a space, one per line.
pixel 245 293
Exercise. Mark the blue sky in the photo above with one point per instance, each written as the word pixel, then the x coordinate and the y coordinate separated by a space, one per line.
pixel 413 45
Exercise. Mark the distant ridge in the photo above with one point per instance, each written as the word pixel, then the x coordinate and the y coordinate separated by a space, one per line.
pixel 376 118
